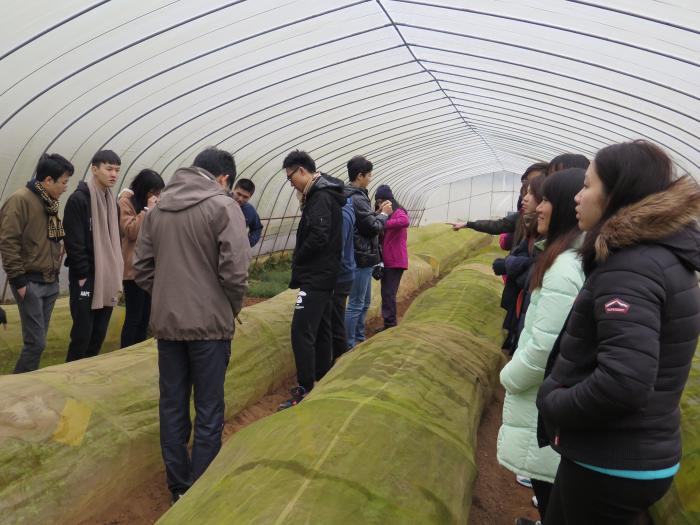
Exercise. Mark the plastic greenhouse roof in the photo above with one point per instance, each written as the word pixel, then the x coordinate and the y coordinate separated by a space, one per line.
pixel 432 92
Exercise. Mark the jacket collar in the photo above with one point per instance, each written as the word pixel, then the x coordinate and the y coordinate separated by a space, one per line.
pixel 656 217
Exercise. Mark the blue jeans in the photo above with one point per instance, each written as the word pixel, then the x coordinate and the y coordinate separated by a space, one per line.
pixel 34 313
pixel 358 303
pixel 184 366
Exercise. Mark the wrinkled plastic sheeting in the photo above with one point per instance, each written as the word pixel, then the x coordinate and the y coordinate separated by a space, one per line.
pixel 77 437
pixel 57 338
pixel 681 505
pixel 388 437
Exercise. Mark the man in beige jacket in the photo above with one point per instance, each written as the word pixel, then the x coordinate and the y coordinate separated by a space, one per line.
pixel 192 256
pixel 31 247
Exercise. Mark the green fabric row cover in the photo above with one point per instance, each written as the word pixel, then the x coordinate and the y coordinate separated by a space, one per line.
pixel 74 438
pixel 681 505
pixel 388 436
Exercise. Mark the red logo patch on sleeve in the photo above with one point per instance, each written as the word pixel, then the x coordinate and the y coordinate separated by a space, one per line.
pixel 617 306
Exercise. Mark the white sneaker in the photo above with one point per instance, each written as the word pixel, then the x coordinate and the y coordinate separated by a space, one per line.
pixel 534 501
pixel 525 482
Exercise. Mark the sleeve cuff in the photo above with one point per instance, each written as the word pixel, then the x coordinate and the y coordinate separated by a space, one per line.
pixel 19 282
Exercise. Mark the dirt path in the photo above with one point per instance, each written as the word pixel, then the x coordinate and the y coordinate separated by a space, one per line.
pixel 497 498
pixel 151 499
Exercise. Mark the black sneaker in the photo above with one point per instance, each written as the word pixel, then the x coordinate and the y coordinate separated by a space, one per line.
pixel 298 394
pixel 526 521
pixel 176 497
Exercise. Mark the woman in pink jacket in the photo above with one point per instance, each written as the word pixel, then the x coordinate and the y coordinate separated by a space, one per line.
pixel 394 254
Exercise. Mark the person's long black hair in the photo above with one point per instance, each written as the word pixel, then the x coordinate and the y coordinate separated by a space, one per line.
pixel 144 183
pixel 629 171
pixel 559 189
pixel 534 187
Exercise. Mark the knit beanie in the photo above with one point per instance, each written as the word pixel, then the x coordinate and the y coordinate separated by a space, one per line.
pixel 384 193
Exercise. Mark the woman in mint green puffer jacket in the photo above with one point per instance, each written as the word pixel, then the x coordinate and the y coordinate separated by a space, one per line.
pixel 556 280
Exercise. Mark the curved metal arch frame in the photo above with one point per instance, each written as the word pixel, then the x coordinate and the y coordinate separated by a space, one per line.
pixel 578 103
pixel 551 26
pixel 263 88
pixel 556 55
pixel 318 159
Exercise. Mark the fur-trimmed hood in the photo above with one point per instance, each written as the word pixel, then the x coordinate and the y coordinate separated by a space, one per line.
pixel 668 218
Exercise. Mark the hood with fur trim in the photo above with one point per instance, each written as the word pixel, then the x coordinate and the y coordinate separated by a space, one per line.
pixel 668 218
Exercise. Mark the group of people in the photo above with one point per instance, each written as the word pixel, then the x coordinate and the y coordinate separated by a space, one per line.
pixel 98 235
pixel 601 294
pixel 603 315
pixel 191 238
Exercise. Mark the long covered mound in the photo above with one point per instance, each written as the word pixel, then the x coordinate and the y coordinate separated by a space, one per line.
pixel 387 437
pixel 75 438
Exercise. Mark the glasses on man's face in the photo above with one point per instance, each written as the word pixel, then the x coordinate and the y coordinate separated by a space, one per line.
pixel 290 175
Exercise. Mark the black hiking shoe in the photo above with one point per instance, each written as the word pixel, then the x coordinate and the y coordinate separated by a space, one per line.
pixel 298 394
pixel 526 521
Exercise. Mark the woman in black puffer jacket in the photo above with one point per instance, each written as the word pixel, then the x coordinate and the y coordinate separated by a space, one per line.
pixel 609 404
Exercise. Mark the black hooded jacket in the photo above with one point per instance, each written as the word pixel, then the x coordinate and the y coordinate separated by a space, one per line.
pixel 77 222
pixel 616 375
pixel 319 243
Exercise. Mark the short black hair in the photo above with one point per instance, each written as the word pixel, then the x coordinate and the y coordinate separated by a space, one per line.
pixel 537 166
pixel 299 159
pixel 566 161
pixel 106 156
pixel 217 162
pixel 356 165
pixel 53 165
pixel 246 185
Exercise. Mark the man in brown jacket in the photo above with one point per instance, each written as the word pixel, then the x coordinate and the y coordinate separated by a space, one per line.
pixel 31 249
pixel 192 256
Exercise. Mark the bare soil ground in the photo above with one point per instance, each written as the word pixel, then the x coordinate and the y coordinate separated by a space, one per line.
pixel 497 498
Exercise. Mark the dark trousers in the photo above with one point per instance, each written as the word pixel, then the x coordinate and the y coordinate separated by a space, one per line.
pixel 581 496
pixel 89 326
pixel 138 313
pixel 311 319
pixel 35 313
pixel 390 287
pixel 337 313
pixel 182 366
pixel 542 490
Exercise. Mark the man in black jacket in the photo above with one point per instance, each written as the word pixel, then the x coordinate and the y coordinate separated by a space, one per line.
pixel 315 266
pixel 368 225
pixel 94 257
